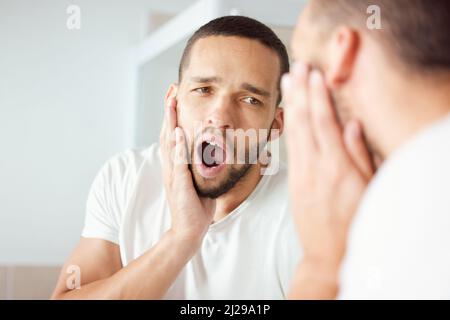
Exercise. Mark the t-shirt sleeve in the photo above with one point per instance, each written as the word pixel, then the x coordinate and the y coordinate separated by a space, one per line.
pixel 108 198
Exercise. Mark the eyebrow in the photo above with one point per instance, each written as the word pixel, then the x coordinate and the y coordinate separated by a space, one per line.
pixel 255 90
pixel 206 79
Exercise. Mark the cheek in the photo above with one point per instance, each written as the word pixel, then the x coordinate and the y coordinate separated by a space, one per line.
pixel 252 119
pixel 186 111
pixel 190 107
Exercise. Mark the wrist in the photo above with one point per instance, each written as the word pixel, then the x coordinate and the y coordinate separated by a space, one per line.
pixel 187 240
pixel 321 266
pixel 315 279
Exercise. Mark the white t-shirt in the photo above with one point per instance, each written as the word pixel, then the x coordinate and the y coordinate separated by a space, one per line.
pixel 252 253
pixel 399 247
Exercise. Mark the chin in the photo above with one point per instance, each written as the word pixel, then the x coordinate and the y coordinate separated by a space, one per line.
pixel 220 184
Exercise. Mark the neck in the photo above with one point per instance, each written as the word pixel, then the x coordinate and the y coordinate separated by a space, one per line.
pixel 233 198
pixel 408 107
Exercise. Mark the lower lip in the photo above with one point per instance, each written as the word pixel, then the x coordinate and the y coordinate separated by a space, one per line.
pixel 210 172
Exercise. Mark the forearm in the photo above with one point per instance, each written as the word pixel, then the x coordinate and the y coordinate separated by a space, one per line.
pixel 315 280
pixel 148 277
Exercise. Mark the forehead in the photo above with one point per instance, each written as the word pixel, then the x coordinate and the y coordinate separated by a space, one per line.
pixel 234 58
pixel 299 34
pixel 304 35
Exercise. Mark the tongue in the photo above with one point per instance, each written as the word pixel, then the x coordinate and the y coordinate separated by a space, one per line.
pixel 213 156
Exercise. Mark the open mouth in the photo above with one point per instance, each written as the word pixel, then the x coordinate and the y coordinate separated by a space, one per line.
pixel 211 155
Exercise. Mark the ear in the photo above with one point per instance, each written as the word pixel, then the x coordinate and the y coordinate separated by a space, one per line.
pixel 342 52
pixel 278 122
pixel 171 93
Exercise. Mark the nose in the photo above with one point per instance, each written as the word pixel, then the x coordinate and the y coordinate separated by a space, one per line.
pixel 222 113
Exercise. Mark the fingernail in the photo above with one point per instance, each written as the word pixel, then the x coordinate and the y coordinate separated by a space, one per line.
pixel 286 82
pixel 356 129
pixel 170 102
pixel 178 134
pixel 316 78
pixel 299 69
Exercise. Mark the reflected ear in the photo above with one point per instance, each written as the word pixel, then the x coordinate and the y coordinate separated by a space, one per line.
pixel 278 122
pixel 171 93
pixel 342 52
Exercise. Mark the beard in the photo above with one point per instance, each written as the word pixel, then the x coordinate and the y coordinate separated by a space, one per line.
pixel 213 190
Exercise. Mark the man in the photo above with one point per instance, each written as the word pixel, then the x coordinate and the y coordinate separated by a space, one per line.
pixel 158 226
pixel 389 87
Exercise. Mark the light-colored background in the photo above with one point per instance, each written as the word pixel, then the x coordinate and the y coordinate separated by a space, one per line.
pixel 71 99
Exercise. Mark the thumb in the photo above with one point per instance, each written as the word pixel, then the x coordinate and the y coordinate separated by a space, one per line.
pixel 181 155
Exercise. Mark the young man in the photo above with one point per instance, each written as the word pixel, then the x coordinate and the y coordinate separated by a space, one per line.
pixel 159 227
pixel 390 87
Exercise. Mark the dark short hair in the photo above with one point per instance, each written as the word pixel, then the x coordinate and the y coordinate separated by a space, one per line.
pixel 417 31
pixel 239 26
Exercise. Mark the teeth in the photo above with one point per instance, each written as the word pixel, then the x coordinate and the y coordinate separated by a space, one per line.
pixel 213 143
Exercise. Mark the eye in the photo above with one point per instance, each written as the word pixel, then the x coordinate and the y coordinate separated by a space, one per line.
pixel 203 90
pixel 252 101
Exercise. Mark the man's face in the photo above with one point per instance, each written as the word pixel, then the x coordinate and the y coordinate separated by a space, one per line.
pixel 310 45
pixel 227 83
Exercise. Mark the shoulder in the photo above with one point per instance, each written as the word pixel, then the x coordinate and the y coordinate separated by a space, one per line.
pixel 415 177
pixel 118 177
pixel 399 239
pixel 131 160
pixel 128 164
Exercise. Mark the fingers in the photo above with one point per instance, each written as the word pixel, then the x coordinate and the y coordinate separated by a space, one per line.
pixel 172 114
pixel 167 139
pixel 181 155
pixel 324 122
pixel 357 149
pixel 313 127
pixel 300 138
pixel 166 119
pixel 170 122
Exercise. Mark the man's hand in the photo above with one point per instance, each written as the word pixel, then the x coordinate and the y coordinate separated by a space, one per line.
pixel 329 169
pixel 191 215
pixel 150 275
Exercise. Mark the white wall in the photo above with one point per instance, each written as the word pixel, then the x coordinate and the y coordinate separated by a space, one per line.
pixel 66 105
